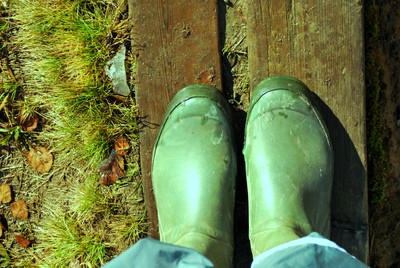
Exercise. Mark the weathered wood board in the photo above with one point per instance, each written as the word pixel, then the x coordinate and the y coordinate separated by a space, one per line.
pixel 177 45
pixel 321 43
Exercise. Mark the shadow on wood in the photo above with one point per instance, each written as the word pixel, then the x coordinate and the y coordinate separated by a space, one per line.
pixel 349 226
pixel 349 215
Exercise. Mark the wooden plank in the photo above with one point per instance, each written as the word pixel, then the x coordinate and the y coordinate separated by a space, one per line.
pixel 321 43
pixel 177 45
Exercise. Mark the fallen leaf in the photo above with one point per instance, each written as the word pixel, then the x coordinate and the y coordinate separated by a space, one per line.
pixel 19 209
pixel 1 229
pixel 206 77
pixel 5 193
pixel 118 165
pixel 40 159
pixel 121 146
pixel 29 123
pixel 22 241
pixel 111 169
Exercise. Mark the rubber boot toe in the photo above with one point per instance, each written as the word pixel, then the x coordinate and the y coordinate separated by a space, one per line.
pixel 289 164
pixel 194 170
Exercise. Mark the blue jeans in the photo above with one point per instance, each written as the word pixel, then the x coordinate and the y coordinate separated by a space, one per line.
pixel 310 251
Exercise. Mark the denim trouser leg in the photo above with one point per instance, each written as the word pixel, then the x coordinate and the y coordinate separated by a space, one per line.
pixel 310 251
pixel 152 253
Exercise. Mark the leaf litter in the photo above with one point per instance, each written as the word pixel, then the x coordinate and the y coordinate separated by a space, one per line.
pixel 5 193
pixel 121 146
pixel 1 229
pixel 19 210
pixel 111 169
pixel 22 241
pixel 29 123
pixel 40 159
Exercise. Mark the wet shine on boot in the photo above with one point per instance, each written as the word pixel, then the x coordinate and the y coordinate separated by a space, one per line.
pixel 289 165
pixel 193 173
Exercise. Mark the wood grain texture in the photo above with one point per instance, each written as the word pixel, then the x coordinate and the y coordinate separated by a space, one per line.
pixel 321 43
pixel 177 45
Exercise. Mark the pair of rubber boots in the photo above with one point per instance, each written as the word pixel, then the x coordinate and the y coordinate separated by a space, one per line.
pixel 289 169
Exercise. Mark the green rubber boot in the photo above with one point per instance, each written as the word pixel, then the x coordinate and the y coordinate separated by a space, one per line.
pixel 194 173
pixel 289 165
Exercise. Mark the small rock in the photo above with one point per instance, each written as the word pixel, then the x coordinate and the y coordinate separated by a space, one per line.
pixel 115 70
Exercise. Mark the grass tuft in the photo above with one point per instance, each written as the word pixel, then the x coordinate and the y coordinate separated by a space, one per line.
pixel 61 48
pixel 69 241
pixel 97 224
pixel 68 47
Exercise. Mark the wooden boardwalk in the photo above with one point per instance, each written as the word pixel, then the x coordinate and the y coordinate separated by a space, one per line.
pixel 321 43
pixel 177 45
pixel 317 41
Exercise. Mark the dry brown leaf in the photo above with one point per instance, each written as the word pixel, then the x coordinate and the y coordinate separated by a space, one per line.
pixel 40 159
pixel 1 229
pixel 121 146
pixel 112 169
pixel 5 193
pixel 206 77
pixel 22 241
pixel 30 123
pixel 19 209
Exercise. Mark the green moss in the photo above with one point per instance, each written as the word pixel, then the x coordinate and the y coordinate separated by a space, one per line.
pixel 377 131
